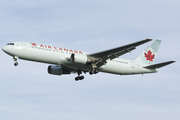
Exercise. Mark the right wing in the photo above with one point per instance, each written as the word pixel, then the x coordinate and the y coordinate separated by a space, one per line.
pixel 101 57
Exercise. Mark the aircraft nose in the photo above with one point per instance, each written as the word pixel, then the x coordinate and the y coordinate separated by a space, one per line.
pixel 5 49
pixel 8 49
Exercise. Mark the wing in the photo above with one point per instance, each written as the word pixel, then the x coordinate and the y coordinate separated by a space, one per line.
pixel 101 57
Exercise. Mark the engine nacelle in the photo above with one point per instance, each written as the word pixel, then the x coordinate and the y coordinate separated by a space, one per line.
pixel 79 58
pixel 57 70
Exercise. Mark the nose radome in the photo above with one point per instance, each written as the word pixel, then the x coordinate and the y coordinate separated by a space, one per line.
pixel 3 48
pixel 8 49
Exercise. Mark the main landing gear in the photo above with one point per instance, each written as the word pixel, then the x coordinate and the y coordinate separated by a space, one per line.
pixel 15 59
pixel 79 77
pixel 95 71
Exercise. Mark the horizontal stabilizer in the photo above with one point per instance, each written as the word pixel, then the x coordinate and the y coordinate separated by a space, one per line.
pixel 159 65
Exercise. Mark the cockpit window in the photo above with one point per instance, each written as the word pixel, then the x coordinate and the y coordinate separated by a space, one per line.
pixel 10 44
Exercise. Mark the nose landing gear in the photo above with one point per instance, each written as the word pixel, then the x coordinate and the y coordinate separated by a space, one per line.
pixel 15 59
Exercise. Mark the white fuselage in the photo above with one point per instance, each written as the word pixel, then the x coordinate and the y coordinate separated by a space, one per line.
pixel 60 56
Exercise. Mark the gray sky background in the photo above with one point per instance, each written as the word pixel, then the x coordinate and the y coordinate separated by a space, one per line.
pixel 28 92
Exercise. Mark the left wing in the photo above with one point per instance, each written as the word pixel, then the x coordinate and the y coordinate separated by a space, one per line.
pixel 101 57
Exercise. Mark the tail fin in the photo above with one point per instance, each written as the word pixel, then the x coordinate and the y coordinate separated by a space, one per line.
pixel 149 54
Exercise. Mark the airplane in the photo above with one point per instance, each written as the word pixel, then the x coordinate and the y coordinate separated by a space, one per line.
pixel 67 61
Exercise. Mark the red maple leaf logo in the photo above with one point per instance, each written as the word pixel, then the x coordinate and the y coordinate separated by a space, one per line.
pixel 149 56
pixel 34 44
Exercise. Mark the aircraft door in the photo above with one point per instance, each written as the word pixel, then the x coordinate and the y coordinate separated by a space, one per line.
pixel 23 46
pixel 132 64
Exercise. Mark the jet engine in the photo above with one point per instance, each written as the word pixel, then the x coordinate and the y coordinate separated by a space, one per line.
pixel 78 58
pixel 57 70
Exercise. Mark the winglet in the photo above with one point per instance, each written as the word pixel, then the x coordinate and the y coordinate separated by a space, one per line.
pixel 159 65
pixel 149 39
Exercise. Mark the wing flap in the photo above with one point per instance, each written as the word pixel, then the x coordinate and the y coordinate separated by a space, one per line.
pixel 159 65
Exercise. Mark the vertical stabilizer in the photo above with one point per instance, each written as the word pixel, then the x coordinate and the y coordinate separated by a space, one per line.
pixel 149 54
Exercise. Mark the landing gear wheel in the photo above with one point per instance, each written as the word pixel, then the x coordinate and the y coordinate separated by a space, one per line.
pixel 93 71
pixel 90 73
pixel 96 71
pixel 16 64
pixel 76 78
pixel 79 78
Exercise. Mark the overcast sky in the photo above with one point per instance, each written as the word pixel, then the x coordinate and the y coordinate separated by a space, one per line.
pixel 28 92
